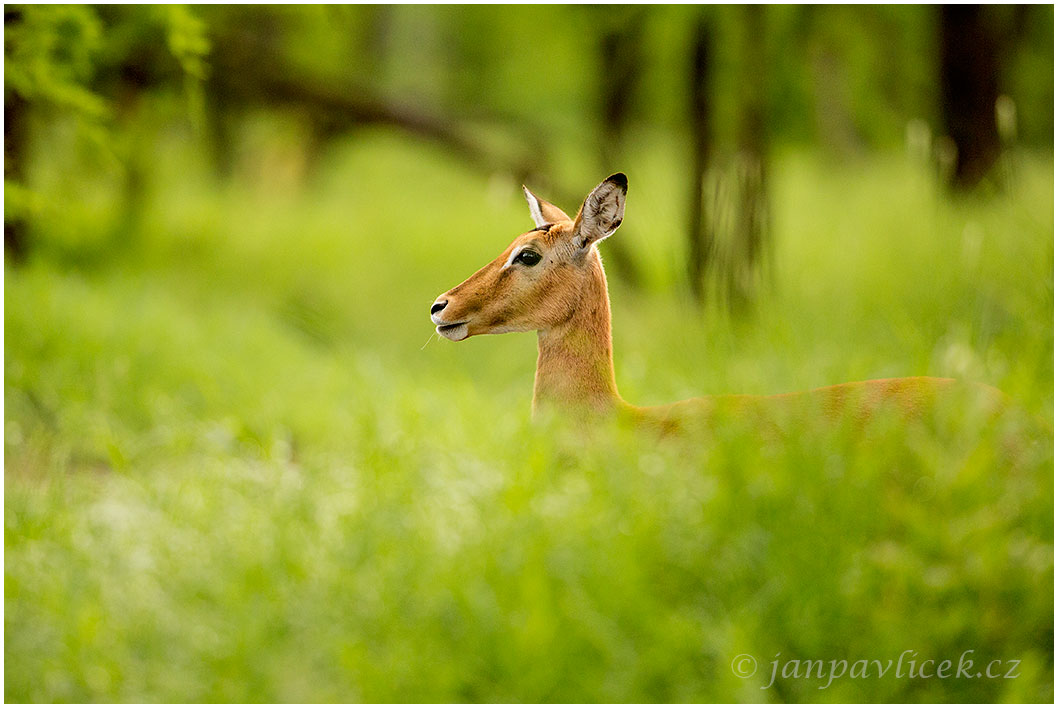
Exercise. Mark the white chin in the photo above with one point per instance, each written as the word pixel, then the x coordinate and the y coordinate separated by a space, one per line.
pixel 455 334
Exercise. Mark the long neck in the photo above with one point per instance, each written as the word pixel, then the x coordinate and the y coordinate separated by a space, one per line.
pixel 575 361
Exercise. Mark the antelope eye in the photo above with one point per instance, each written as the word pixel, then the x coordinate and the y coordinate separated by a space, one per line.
pixel 528 257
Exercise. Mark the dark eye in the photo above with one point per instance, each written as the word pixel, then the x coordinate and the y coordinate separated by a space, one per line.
pixel 528 257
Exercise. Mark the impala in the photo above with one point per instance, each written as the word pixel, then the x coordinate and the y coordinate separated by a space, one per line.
pixel 550 279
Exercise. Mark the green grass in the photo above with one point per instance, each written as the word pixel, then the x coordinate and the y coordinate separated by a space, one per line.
pixel 234 473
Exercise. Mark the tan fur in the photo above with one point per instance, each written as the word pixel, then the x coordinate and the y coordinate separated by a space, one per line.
pixel 564 298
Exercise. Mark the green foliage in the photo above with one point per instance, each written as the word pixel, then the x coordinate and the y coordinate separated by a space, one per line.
pixel 188 43
pixel 49 57
pixel 19 203
pixel 61 61
pixel 187 40
pixel 234 473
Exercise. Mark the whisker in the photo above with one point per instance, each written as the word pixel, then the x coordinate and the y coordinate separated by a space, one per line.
pixel 427 341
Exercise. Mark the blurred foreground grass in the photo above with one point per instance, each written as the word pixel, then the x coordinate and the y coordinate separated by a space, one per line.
pixel 233 473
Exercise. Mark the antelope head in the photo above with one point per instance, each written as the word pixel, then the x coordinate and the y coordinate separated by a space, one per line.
pixel 539 280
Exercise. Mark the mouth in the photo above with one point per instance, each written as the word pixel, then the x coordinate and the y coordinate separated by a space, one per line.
pixel 454 331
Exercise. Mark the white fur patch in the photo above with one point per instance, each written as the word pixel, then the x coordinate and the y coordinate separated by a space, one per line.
pixel 534 207
pixel 515 254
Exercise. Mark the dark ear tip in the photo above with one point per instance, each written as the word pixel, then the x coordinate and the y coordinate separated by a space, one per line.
pixel 619 179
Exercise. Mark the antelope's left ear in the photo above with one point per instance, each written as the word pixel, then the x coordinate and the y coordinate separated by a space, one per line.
pixel 602 211
pixel 542 211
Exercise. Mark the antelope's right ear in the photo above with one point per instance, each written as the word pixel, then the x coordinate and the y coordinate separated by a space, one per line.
pixel 602 212
pixel 543 211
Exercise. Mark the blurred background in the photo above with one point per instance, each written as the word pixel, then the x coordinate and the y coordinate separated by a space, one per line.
pixel 239 467
pixel 271 98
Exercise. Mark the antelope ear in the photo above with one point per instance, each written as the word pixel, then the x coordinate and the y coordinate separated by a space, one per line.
pixel 602 211
pixel 543 211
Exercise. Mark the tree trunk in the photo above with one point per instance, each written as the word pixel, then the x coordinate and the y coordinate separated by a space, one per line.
pixel 620 61
pixel 969 89
pixel 16 137
pixel 16 242
pixel 699 228
pixel 751 231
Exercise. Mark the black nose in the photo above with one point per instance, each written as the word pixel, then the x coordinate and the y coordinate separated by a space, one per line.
pixel 438 306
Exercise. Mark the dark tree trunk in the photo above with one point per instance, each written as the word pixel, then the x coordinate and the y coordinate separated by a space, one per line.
pixel 620 54
pixel 751 235
pixel 969 89
pixel 620 50
pixel 16 131
pixel 16 135
pixel 699 229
